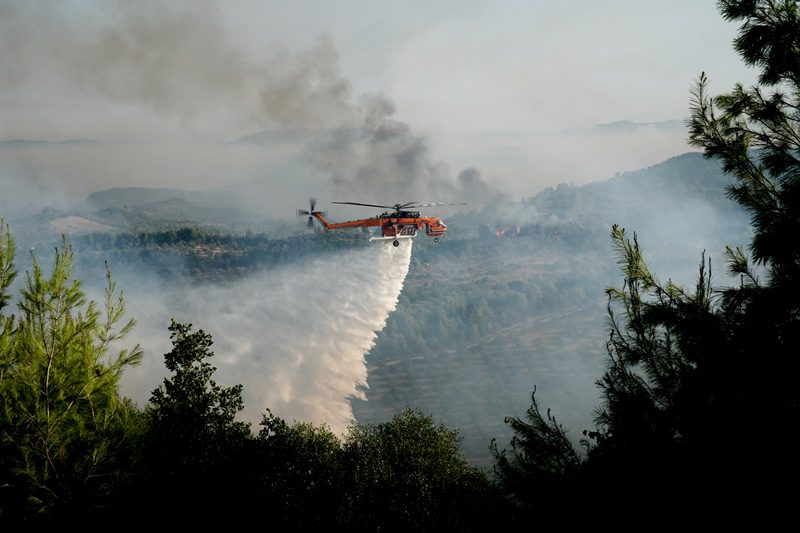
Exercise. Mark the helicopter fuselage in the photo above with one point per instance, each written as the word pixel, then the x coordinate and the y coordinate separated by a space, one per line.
pixel 394 225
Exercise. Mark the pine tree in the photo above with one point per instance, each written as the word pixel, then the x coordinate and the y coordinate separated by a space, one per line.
pixel 699 396
pixel 541 462
pixel 63 425
pixel 755 133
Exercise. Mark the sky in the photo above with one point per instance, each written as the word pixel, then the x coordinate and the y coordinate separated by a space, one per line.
pixel 509 88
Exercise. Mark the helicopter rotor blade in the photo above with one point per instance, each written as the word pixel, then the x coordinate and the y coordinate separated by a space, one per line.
pixel 398 207
pixel 437 204
pixel 313 203
pixel 310 222
pixel 302 212
pixel 366 205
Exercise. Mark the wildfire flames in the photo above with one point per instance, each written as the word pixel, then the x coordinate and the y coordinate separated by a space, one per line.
pixel 509 231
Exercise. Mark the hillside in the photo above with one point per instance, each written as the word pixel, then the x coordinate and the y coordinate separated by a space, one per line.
pixel 512 298
pixel 520 302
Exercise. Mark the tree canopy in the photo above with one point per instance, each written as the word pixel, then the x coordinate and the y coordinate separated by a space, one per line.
pixel 64 429
pixel 699 391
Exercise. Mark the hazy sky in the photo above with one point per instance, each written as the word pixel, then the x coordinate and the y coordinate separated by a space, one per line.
pixel 480 80
pixel 450 101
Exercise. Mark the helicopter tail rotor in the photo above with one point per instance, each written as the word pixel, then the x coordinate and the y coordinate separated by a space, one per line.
pixel 312 203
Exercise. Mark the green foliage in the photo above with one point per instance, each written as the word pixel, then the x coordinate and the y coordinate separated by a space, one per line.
pixel 768 40
pixel 192 418
pixel 301 473
pixel 651 350
pixel 208 256
pixel 63 426
pixel 7 271
pixel 408 474
pixel 7 275
pixel 754 131
pixel 194 449
pixel 665 347
pixel 541 460
pixel 698 382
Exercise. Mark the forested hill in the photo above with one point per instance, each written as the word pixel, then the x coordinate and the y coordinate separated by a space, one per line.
pixel 644 199
pixel 515 299
pixel 687 178
pixel 512 298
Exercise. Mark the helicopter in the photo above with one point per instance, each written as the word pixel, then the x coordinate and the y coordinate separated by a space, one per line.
pixel 399 222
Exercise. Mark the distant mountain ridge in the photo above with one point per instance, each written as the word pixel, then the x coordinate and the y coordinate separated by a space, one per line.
pixel 618 127
pixel 295 136
pixel 689 174
pixel 688 177
pixel 22 143
pixel 119 197
pixel 129 196
pixel 682 200
pixel 634 197
pixel 629 126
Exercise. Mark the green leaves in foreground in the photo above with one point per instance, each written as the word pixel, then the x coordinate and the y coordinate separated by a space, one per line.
pixel 63 426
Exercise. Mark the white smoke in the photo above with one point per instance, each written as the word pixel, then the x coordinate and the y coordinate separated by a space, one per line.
pixel 295 337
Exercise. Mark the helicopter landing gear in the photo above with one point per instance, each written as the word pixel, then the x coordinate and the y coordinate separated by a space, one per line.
pixel 396 243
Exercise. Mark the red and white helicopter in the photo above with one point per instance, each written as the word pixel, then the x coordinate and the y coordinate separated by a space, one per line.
pixel 399 223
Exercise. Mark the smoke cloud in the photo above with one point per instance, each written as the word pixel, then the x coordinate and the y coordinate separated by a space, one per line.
pixel 178 60
pixel 153 71
pixel 295 337
pixel 385 161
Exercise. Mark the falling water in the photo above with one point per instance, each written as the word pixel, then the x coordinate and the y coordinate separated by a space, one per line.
pixel 295 337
